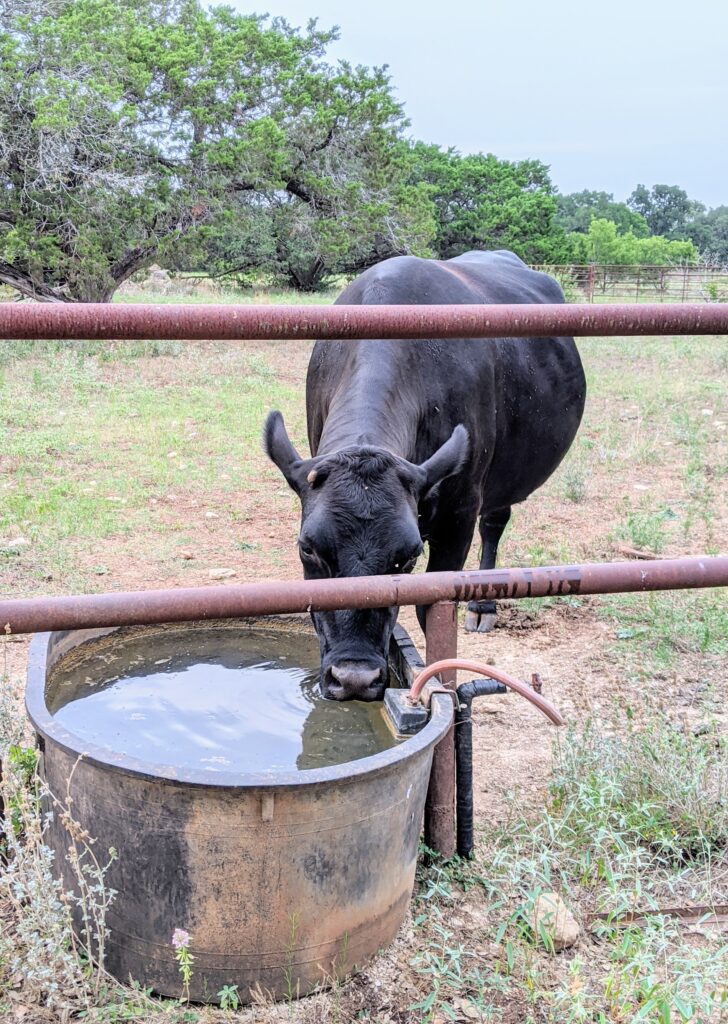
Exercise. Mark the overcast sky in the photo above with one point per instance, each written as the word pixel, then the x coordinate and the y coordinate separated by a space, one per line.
pixel 609 93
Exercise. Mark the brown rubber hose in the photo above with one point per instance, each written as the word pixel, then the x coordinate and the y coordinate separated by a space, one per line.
pixel 481 669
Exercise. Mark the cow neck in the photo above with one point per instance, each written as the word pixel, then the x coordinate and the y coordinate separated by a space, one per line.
pixel 371 408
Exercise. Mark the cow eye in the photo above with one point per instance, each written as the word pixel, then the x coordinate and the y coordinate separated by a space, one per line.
pixel 306 551
pixel 407 564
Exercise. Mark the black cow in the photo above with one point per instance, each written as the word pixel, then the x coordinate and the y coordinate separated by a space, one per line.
pixel 413 440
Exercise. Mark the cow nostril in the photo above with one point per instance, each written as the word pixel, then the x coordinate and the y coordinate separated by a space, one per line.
pixel 349 681
pixel 350 676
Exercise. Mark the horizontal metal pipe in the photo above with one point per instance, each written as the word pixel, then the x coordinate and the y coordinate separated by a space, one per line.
pixel 31 615
pixel 229 323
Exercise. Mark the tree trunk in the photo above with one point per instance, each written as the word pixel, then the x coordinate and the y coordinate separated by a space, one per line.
pixel 308 278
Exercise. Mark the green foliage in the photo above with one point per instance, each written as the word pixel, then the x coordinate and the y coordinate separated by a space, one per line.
pixel 229 998
pixel 575 480
pixel 367 212
pixel 664 627
pixel 645 528
pixel 132 130
pixel 709 232
pixel 665 789
pixel 208 140
pixel 667 209
pixel 23 762
pixel 576 211
pixel 603 243
pixel 482 202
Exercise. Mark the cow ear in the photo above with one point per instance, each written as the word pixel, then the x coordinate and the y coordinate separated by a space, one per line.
pixel 279 450
pixel 446 461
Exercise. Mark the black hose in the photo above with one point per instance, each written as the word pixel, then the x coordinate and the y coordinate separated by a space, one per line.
pixel 464 757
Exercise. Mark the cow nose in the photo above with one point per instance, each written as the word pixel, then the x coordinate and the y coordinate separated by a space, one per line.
pixel 352 681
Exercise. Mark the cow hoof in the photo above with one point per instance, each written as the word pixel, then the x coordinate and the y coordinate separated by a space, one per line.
pixel 472 620
pixel 479 622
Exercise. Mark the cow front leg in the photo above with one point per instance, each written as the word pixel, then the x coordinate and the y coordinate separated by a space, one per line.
pixel 448 549
pixel 480 616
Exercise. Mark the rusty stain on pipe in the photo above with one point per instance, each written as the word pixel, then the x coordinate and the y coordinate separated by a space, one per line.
pixel 232 323
pixel 448 664
pixel 86 611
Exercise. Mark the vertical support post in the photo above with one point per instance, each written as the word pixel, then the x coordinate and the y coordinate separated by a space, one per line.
pixel 441 638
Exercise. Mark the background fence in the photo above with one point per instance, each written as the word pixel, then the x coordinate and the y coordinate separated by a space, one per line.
pixel 599 282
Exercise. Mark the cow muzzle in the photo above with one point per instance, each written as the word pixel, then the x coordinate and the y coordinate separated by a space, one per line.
pixel 354 680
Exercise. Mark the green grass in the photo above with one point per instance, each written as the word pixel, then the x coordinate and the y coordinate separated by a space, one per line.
pixel 91 449
pixel 646 528
pixel 199 292
pixel 663 626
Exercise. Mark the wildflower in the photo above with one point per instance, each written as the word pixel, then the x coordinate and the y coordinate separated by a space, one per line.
pixel 180 938
pixel 181 941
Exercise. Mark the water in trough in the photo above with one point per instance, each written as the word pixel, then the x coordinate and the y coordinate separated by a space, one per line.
pixel 218 699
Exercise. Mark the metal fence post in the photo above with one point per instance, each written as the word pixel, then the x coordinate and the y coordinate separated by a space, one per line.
pixel 442 642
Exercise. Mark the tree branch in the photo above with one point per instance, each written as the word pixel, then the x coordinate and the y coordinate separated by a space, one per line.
pixel 24 284
pixel 132 260
pixel 298 188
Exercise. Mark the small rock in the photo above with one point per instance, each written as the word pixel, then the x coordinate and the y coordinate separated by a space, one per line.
pixel 552 916
pixel 187 555
pixel 465 1009
pixel 490 951
pixel 221 574
pixel 211 515
pixel 15 544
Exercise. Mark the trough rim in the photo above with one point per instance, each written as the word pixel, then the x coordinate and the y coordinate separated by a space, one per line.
pixel 50 731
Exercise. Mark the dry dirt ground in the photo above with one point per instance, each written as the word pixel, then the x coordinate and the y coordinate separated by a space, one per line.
pixel 628 483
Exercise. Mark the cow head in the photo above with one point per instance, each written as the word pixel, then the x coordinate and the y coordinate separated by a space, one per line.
pixel 358 518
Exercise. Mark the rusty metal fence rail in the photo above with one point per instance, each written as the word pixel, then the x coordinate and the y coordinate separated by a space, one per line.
pixel 87 611
pixel 236 323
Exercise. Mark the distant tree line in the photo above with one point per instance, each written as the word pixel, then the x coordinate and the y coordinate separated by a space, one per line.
pixel 641 228
pixel 135 132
